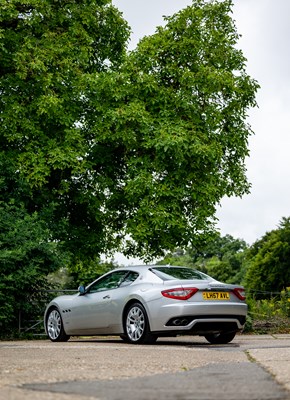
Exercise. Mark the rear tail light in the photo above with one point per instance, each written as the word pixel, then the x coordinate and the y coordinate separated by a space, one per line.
pixel 179 293
pixel 240 293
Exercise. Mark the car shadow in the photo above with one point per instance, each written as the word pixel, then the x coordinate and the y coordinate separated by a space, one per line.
pixel 180 342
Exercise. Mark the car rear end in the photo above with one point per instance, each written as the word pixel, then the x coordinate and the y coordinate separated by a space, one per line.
pixel 198 307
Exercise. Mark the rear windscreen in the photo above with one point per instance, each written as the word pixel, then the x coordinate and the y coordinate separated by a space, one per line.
pixel 169 273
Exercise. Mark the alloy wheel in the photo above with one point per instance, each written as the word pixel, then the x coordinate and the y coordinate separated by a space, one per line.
pixel 54 324
pixel 135 323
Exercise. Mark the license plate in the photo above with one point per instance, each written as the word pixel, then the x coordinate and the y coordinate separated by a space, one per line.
pixel 216 295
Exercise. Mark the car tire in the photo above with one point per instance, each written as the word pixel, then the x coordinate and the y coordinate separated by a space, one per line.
pixel 220 338
pixel 136 326
pixel 54 326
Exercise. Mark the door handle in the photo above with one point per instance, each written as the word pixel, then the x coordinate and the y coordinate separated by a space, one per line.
pixel 106 297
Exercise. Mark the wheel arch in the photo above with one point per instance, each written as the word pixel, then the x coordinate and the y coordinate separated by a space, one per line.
pixel 125 309
pixel 127 306
pixel 46 314
pixel 62 336
pixel 146 336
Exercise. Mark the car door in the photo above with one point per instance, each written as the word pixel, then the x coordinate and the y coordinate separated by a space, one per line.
pixel 118 298
pixel 92 311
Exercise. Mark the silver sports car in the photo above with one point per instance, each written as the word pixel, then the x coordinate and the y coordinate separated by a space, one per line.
pixel 142 303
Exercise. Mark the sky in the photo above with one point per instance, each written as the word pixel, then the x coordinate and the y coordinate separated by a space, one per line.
pixel 265 29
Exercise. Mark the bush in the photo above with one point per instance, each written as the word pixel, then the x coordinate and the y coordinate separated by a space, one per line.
pixel 269 315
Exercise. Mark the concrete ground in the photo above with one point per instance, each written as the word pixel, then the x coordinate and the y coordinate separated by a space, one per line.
pixel 252 367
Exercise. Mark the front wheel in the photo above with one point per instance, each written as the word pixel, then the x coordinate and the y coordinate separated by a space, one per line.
pixel 54 326
pixel 136 326
pixel 220 338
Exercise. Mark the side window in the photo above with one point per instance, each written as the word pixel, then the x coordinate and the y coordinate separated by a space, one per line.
pixel 110 281
pixel 131 277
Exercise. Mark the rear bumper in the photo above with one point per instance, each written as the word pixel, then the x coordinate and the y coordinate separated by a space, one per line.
pixel 191 320
pixel 199 318
pixel 204 326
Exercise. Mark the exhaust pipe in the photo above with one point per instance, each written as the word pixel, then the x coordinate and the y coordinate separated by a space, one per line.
pixel 178 322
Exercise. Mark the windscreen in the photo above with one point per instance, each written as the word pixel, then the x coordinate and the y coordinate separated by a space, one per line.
pixel 170 273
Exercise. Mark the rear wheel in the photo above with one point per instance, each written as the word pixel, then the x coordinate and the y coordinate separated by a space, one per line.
pixel 136 326
pixel 54 326
pixel 220 338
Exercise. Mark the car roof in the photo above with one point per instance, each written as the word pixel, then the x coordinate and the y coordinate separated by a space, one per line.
pixel 148 266
pixel 137 268
pixel 140 268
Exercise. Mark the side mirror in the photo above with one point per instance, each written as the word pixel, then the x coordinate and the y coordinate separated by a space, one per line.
pixel 82 290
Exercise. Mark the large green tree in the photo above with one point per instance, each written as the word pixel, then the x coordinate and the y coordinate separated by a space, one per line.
pixel 172 123
pixel 114 149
